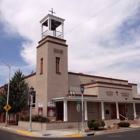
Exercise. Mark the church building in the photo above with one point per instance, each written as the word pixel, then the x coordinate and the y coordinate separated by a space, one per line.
pixel 57 91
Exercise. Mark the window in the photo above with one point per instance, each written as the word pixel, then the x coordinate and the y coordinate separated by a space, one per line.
pixel 41 66
pixel 57 65
pixel 91 109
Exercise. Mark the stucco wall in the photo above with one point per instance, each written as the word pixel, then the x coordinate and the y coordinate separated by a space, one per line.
pixel 72 112
pixel 95 114
pixel 115 92
pixel 78 79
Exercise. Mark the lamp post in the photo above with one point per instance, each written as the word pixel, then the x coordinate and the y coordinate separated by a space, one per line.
pixel 31 103
pixel 82 91
pixel 8 90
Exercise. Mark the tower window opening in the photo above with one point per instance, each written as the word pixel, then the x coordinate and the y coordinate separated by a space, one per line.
pixel 58 65
pixel 41 66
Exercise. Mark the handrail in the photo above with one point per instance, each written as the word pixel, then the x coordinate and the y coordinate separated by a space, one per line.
pixel 136 116
pixel 126 119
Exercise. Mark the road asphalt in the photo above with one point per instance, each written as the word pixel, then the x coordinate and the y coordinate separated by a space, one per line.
pixel 71 132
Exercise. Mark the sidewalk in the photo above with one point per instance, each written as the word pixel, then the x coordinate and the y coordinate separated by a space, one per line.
pixel 73 132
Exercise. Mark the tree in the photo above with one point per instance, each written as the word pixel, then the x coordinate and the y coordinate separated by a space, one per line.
pixel 18 93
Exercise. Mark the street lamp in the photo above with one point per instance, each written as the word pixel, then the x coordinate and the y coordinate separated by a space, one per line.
pixel 31 103
pixel 82 91
pixel 8 90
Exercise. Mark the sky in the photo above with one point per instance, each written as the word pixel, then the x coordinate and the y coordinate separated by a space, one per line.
pixel 103 36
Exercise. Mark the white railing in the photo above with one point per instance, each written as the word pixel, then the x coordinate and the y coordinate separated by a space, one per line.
pixel 126 119
pixel 57 34
pixel 136 116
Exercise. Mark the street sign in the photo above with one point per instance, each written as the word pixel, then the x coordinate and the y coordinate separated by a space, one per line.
pixel 7 107
pixel 78 101
pixel 78 107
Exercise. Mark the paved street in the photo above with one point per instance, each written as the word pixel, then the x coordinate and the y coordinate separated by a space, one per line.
pixel 127 135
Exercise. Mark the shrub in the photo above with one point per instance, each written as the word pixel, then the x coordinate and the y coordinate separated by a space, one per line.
pixel 95 124
pixel 26 118
pixel 101 123
pixel 36 118
pixel 43 119
pixel 124 124
pixel 90 124
pixel 21 118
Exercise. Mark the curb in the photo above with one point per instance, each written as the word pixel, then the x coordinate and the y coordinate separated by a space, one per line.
pixel 72 135
pixel 115 131
pixel 27 133
pixel 20 131
pixel 11 129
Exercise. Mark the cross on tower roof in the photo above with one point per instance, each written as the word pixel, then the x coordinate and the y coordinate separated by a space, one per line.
pixel 52 11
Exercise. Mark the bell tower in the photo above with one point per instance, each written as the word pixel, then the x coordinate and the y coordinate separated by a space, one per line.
pixel 53 26
pixel 52 61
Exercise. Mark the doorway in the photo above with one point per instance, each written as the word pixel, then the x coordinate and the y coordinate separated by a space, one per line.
pixel 59 111
pixel 113 111
pixel 122 111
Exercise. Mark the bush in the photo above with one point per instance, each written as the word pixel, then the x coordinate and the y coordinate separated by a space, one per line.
pixel 43 119
pixel 21 118
pixel 26 118
pixel 36 118
pixel 90 124
pixel 95 124
pixel 124 124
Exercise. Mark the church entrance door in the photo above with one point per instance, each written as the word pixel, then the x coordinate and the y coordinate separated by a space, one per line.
pixel 59 111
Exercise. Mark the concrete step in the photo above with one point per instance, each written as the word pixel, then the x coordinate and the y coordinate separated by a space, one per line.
pixel 132 121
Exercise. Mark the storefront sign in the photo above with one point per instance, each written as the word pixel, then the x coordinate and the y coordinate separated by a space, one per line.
pixel 51 109
pixel 40 108
pixel 125 94
pixel 109 93
pixel 40 104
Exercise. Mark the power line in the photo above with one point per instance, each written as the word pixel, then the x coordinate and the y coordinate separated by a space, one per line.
pixel 94 15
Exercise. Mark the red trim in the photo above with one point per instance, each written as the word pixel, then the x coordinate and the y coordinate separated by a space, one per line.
pixel 1 87
pixel 107 83
pixel 51 37
pixel 110 87
pixel 80 74
pixel 53 43
pixel 136 98
pixel 132 84
pixel 30 75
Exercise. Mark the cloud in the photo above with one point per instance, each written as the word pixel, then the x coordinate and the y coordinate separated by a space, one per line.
pixel 107 44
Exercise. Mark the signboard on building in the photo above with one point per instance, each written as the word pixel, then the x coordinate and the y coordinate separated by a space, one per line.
pixel 125 94
pixel 109 93
pixel 51 109
pixel 40 108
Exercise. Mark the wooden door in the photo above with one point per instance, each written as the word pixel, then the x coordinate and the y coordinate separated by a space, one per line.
pixel 122 111
pixel 59 111
pixel 113 111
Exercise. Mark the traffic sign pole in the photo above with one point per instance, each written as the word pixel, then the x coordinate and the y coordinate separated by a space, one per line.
pixel 7 107
pixel 78 110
